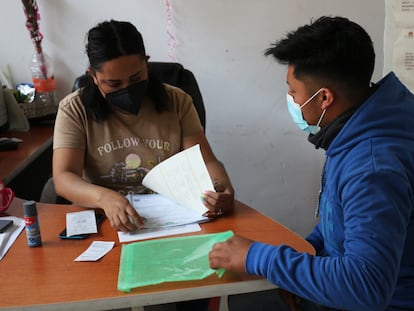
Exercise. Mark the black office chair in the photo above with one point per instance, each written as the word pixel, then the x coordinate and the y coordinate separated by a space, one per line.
pixel 171 73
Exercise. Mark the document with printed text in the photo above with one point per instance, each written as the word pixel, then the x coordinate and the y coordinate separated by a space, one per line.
pixel 177 207
pixel 96 251
pixel 8 237
pixel 81 223
pixel 182 178
pixel 161 212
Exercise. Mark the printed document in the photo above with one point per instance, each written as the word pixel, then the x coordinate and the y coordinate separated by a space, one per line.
pixel 399 40
pixel 160 211
pixel 178 206
pixel 162 216
pixel 8 237
pixel 182 178
pixel 81 223
pixel 96 251
pixel 145 234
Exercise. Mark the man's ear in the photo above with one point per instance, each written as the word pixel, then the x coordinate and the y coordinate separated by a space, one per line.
pixel 328 98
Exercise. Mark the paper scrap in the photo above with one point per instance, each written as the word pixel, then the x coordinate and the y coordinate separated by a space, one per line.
pixel 95 251
pixel 81 223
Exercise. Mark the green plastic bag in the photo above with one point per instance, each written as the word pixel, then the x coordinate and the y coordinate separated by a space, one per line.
pixel 167 260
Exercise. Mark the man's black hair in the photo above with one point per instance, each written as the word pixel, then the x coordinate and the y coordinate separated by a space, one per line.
pixel 330 49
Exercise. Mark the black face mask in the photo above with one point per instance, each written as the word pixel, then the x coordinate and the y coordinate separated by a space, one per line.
pixel 130 98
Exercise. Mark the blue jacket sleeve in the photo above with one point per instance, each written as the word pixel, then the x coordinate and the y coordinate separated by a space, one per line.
pixel 363 277
pixel 315 239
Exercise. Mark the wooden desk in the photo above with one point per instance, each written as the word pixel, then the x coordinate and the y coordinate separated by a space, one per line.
pixel 27 168
pixel 48 278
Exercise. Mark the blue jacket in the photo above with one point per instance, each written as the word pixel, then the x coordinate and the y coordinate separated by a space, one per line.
pixel 365 238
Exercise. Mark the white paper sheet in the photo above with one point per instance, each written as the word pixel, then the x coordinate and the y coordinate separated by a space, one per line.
pixel 399 40
pixel 163 217
pixel 8 237
pixel 403 61
pixel 95 251
pixel 160 211
pixel 182 178
pixel 156 232
pixel 81 222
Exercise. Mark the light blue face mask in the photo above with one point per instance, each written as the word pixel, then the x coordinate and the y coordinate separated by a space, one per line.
pixel 295 111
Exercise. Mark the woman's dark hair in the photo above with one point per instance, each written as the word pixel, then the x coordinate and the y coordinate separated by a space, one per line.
pixel 331 49
pixel 109 40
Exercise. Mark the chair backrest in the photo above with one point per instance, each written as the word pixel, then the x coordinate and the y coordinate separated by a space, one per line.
pixel 171 73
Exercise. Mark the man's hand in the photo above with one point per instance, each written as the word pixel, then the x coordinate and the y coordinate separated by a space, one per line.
pixel 230 255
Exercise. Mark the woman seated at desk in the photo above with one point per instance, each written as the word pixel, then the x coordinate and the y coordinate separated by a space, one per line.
pixel 124 122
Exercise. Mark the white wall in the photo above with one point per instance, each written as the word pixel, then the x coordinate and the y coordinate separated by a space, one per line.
pixel 271 164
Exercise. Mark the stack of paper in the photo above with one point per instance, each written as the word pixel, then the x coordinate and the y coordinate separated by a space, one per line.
pixel 8 237
pixel 182 178
pixel 177 207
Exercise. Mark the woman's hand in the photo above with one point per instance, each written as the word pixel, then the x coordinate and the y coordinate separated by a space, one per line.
pixel 220 202
pixel 122 216
pixel 68 165
pixel 230 255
